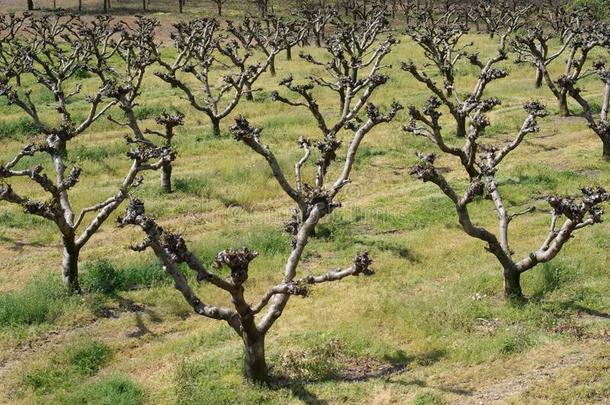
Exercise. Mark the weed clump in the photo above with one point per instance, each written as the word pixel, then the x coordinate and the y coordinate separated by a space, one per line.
pixel 101 276
pixel 319 363
pixel 39 302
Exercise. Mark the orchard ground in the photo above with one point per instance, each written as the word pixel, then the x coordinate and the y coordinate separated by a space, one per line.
pixel 430 327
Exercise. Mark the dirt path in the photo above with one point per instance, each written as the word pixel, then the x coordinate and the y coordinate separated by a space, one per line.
pixel 501 392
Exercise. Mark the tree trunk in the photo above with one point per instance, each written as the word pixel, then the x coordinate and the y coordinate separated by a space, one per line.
pixel 512 284
pixel 166 177
pixel 539 78
pixel 219 6
pixel 216 127
pixel 255 366
pixel 144 5
pixel 318 40
pixel 105 6
pixel 272 66
pixel 461 127
pixel 606 153
pixel 30 5
pixel 248 92
pixel 288 52
pixel 564 111
pixel 180 6
pixel 69 267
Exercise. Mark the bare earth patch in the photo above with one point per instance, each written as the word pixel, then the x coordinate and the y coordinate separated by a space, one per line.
pixel 502 392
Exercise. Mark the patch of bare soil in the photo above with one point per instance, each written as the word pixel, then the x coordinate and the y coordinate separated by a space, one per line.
pixel 330 362
pixel 364 368
pixel 51 339
pixel 512 387
pixel 56 338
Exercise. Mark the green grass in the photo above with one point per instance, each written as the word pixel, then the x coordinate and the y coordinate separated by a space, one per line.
pixel 113 390
pixel 66 369
pixel 17 129
pixel 20 221
pixel 102 276
pixel 40 302
pixel 148 111
pixel 434 306
pixel 88 358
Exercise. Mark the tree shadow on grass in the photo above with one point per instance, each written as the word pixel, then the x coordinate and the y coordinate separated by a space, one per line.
pixel 130 306
pixel 582 309
pixel 366 369
pixel 19 245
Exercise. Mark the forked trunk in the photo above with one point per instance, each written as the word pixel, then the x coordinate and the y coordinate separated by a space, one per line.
pixel 272 66
pixel 461 127
pixel 248 92
pixel 166 177
pixel 512 284
pixel 216 127
pixel 606 153
pixel 69 267
pixel 539 78
pixel 255 366
pixel 564 111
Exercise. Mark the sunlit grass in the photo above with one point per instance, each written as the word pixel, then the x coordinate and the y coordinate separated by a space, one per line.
pixel 434 305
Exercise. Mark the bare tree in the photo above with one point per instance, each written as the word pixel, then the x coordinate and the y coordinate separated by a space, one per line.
pixel 168 121
pixel 558 18
pixel 53 50
pixel 200 49
pixel 263 7
pixel 533 48
pixel 497 15
pixel 171 249
pixel 11 26
pixel 440 38
pixel 314 201
pixel 600 124
pixel 364 9
pixel 269 36
pixel 353 74
pixel 578 214
pixel 316 20
pixel 219 4
pixel 137 50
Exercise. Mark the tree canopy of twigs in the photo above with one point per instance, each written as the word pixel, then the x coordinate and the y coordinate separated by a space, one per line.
pixel 52 51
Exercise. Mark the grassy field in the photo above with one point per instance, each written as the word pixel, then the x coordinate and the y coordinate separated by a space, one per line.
pixel 430 327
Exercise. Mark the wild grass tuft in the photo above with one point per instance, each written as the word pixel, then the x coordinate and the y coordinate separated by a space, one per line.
pixel 112 390
pixel 90 357
pixel 102 276
pixel 145 112
pixel 202 381
pixel 39 302
pixel 318 363
pixel 65 370
pixel 17 129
